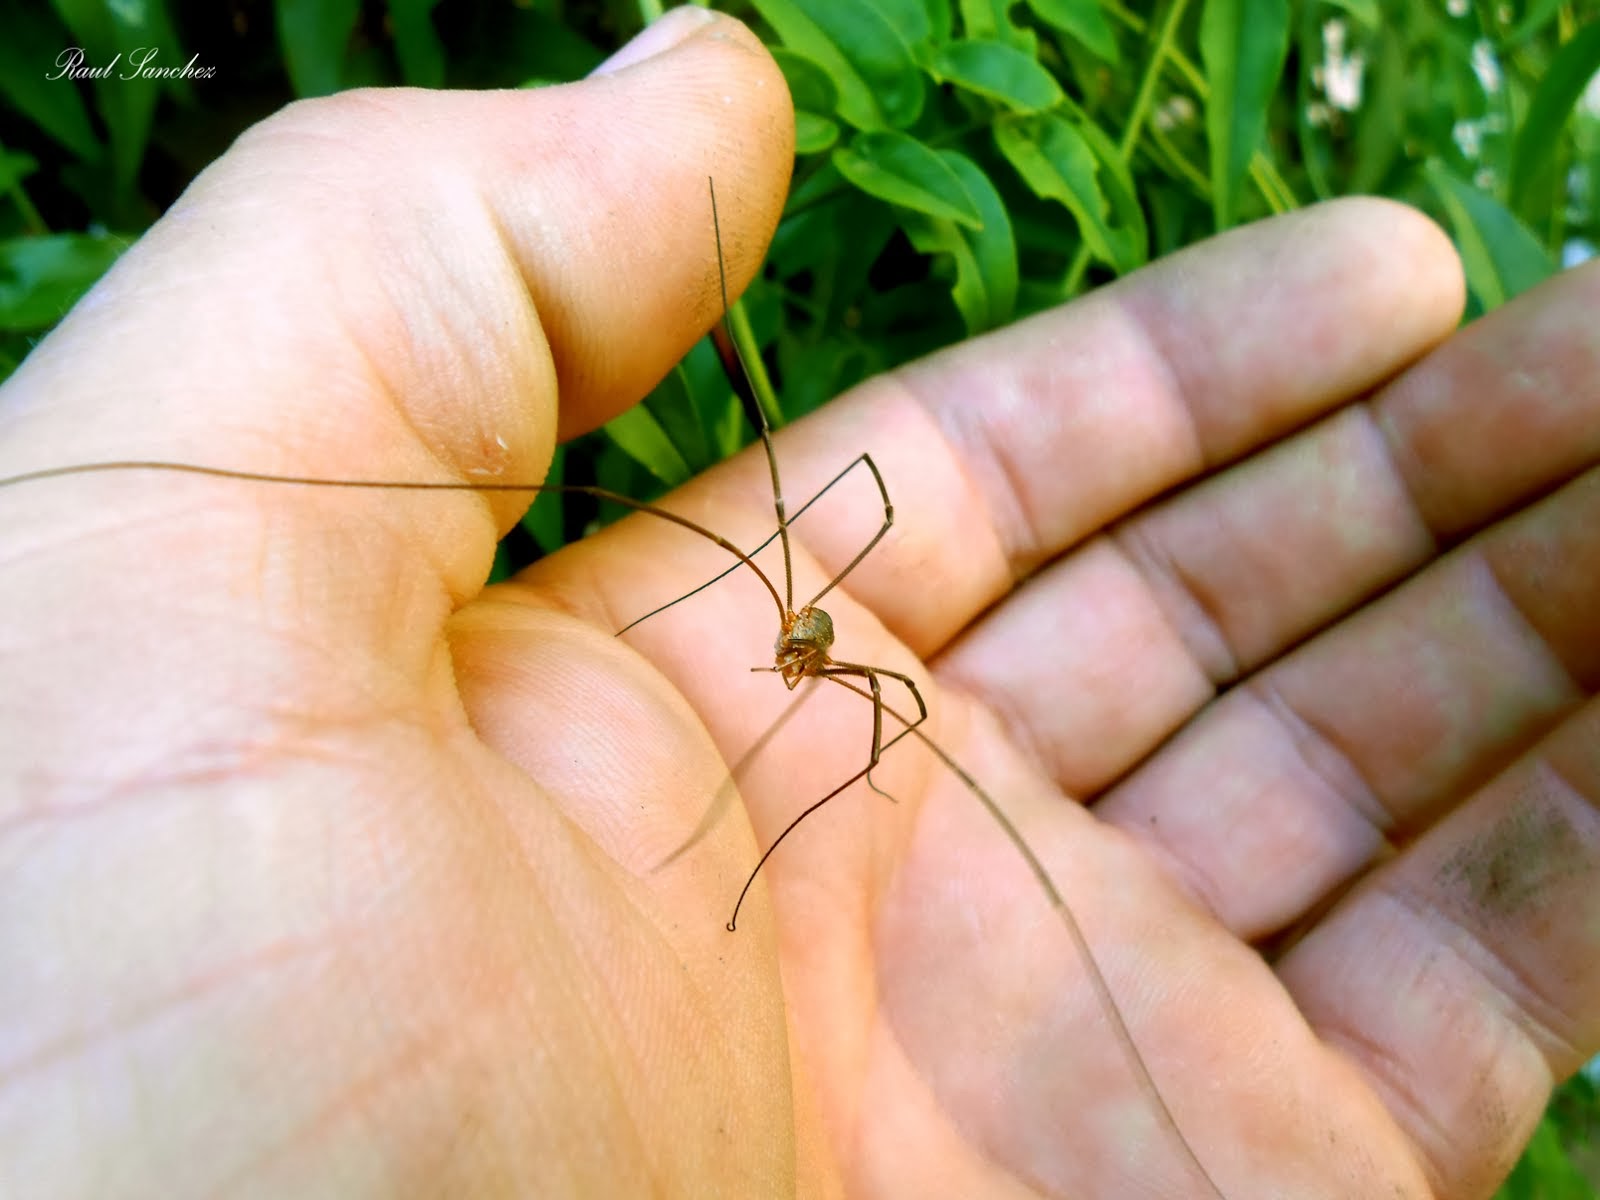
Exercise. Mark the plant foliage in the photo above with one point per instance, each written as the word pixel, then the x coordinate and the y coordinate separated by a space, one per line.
pixel 961 163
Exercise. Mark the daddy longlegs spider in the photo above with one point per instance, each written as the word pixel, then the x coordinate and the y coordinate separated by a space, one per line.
pixel 801 652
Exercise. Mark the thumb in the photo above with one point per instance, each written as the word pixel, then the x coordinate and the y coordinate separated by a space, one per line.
pixel 382 285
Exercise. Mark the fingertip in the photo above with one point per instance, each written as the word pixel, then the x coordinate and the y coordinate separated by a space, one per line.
pixel 1412 251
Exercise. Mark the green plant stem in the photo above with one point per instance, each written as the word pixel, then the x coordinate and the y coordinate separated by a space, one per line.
pixel 1145 97
pixel 1273 187
pixel 1174 161
pixel 1142 102
pixel 755 366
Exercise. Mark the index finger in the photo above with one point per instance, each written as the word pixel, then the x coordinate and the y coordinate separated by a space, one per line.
pixel 1002 452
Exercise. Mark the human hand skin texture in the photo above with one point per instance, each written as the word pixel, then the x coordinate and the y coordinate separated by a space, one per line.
pixel 327 872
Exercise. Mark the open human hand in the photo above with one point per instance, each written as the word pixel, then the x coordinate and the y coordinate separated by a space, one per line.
pixel 326 872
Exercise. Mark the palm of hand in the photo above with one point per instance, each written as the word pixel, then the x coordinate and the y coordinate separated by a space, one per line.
pixel 936 1000
pixel 379 851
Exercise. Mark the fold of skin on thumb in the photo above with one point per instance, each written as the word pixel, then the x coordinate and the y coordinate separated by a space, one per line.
pixel 390 285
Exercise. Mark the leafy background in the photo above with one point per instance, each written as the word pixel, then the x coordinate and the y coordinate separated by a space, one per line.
pixel 960 163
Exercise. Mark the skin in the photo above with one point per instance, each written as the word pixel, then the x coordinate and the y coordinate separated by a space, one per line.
pixel 1262 599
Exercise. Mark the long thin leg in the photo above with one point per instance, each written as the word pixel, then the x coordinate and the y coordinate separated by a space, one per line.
pixel 398 485
pixel 1080 941
pixel 888 521
pixel 725 793
pixel 871 674
pixel 733 365
pixel 733 921
pixel 879 707
pixel 871 677
pixel 738 373
pixel 772 537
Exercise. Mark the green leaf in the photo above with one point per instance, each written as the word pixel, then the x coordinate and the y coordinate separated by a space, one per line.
pixel 639 435
pixel 1380 124
pixel 1244 45
pixel 521 43
pixel 1057 162
pixel 997 72
pixel 1083 21
pixel 1501 258
pixel 1545 1171
pixel 990 20
pixel 1129 236
pixel 315 36
pixel 810 87
pixel 813 134
pixel 901 170
pixel 908 18
pixel 416 44
pixel 870 63
pixel 1535 17
pixel 133 40
pixel 30 53
pixel 42 277
pixel 1558 93
pixel 720 415
pixel 673 407
pixel 940 20
pixel 985 288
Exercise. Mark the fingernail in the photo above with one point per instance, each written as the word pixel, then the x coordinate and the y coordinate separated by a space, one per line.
pixel 671 29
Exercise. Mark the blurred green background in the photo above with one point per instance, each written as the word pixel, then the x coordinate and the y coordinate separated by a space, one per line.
pixel 960 163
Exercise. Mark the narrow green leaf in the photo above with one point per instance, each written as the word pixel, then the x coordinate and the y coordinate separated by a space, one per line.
pixel 1380 124
pixel 33 54
pixel 870 63
pixel 717 411
pixel 1244 44
pixel 639 435
pixel 1535 17
pixel 1501 258
pixel 901 170
pixel 416 43
pixel 813 134
pixel 1128 234
pixel 985 288
pixel 1557 94
pixel 42 277
pixel 670 402
pixel 1057 162
pixel 997 72
pixel 315 36
pixel 135 41
pixel 1082 21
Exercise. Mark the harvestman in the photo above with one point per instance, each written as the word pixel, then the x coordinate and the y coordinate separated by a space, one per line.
pixel 804 639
